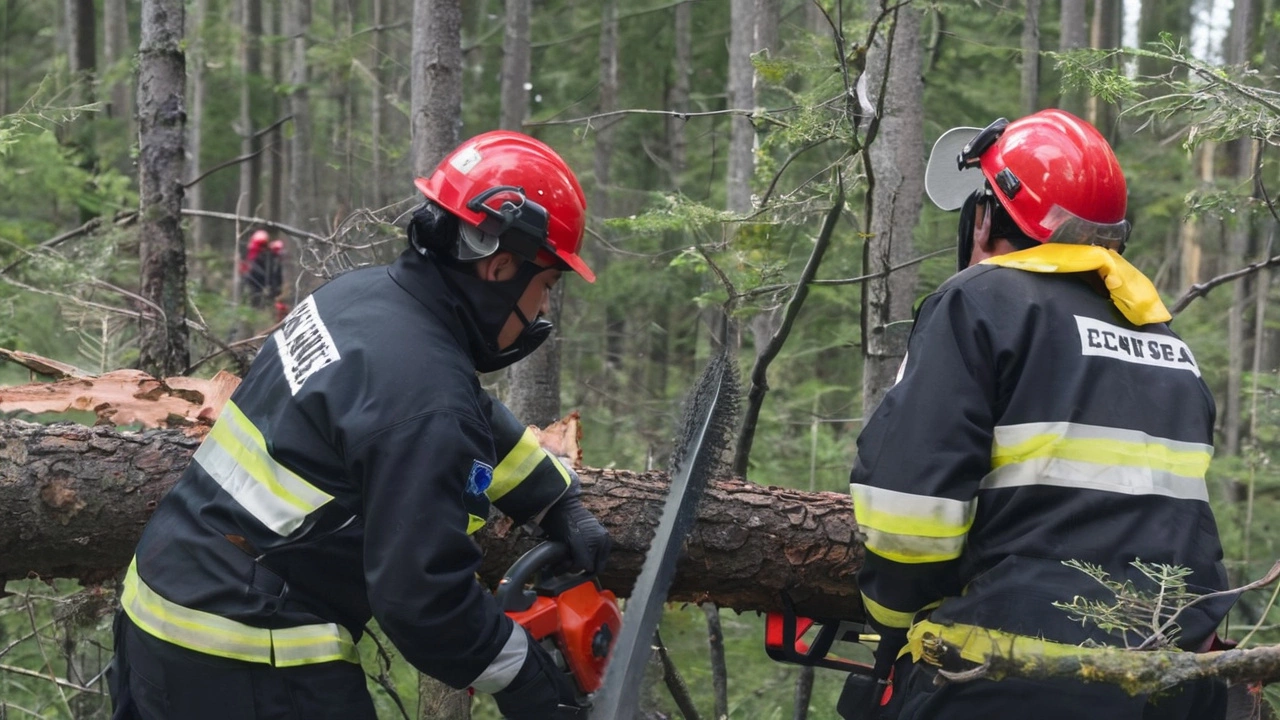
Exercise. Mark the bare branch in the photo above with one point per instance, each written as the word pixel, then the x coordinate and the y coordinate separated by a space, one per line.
pixel 1201 289
pixel 683 115
pixel 759 373
pixel 675 682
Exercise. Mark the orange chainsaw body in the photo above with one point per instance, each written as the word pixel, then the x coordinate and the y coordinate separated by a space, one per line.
pixel 573 612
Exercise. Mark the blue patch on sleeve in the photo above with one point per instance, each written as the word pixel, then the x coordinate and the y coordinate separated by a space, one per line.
pixel 480 478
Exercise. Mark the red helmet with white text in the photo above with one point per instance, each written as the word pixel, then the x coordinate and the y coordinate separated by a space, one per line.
pixel 518 193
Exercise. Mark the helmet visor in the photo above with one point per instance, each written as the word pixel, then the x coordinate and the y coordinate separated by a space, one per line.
pixel 1066 227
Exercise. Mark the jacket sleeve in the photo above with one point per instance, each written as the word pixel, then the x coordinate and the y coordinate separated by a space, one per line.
pixel 527 479
pixel 920 459
pixel 420 563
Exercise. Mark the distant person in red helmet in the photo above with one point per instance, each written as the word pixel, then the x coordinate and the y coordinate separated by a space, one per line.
pixel 262 270
pixel 346 475
pixel 1073 425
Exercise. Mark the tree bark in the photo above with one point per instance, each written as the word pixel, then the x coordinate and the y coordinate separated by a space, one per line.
pixel 896 189
pixel 436 97
pixel 376 105
pixel 742 134
pixel 515 65
pixel 161 119
pixel 74 499
pixel 116 48
pixel 296 20
pixel 1031 58
pixel 533 385
pixel 197 52
pixel 1074 35
pixel 1105 34
pixel 251 72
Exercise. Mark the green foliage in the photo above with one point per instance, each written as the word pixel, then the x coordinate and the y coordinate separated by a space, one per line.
pixel 1148 612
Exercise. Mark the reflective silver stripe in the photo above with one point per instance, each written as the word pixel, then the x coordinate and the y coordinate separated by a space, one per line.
pixel 215 635
pixel 235 456
pixel 1093 457
pixel 913 548
pixel 504 667
pixel 1091 476
pixel 911 528
pixel 900 512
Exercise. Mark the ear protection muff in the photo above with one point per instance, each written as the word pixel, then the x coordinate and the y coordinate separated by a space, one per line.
pixel 968 213
pixel 1002 225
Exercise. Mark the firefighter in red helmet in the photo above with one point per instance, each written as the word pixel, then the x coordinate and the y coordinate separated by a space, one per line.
pixel 346 475
pixel 1076 427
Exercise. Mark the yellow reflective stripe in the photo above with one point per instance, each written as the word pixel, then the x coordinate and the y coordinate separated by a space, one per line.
pixel 900 513
pixel 235 455
pixel 474 523
pixel 1098 458
pixel 885 616
pixel 191 629
pixel 908 528
pixel 976 644
pixel 215 635
pixel 516 466
pixel 311 644
pixel 912 548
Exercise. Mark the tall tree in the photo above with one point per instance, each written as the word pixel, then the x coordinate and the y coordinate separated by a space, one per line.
pixel 436 81
pixel 896 187
pixel 602 165
pixel 247 201
pixel 82 50
pixel 742 134
pixel 115 51
pixel 377 104
pixel 1073 36
pixel 1108 16
pixel 435 124
pixel 533 385
pixel 1240 153
pixel 197 47
pixel 302 176
pixel 273 73
pixel 161 122
pixel 516 56
pixel 1031 58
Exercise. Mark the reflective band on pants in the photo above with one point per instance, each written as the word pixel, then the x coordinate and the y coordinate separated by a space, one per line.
pixel 214 635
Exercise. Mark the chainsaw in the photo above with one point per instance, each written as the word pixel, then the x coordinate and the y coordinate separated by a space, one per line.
pixel 791 638
pixel 568 614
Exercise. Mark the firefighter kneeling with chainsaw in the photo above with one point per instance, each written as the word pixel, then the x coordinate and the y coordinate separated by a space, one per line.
pixel 1073 425
pixel 345 476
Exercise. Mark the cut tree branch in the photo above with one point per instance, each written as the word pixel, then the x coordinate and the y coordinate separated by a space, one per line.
pixel 1199 290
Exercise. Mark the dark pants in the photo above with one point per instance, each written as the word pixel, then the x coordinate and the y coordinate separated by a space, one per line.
pixel 155 680
pixel 921 699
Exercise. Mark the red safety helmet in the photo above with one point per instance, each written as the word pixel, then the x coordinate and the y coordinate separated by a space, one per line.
pixel 258 239
pixel 1054 173
pixel 516 189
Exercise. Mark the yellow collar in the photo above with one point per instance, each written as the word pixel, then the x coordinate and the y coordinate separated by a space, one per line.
pixel 1131 291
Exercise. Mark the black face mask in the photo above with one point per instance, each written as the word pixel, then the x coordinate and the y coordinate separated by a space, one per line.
pixel 486 306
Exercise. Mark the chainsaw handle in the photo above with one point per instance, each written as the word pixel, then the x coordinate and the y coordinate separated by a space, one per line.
pixel 510 594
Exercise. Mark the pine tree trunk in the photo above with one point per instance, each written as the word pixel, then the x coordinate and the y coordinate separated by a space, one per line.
pixel 436 99
pixel 116 49
pixel 161 119
pixel 197 52
pixel 1105 34
pixel 250 194
pixel 1073 36
pixel 302 176
pixel 376 105
pixel 896 186
pixel 74 499
pixel 1031 58
pixel 742 135
pixel 515 65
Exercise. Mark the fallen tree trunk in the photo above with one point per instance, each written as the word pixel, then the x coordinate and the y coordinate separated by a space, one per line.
pixel 74 499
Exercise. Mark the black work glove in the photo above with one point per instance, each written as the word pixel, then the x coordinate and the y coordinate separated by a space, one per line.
pixel 540 691
pixel 570 522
